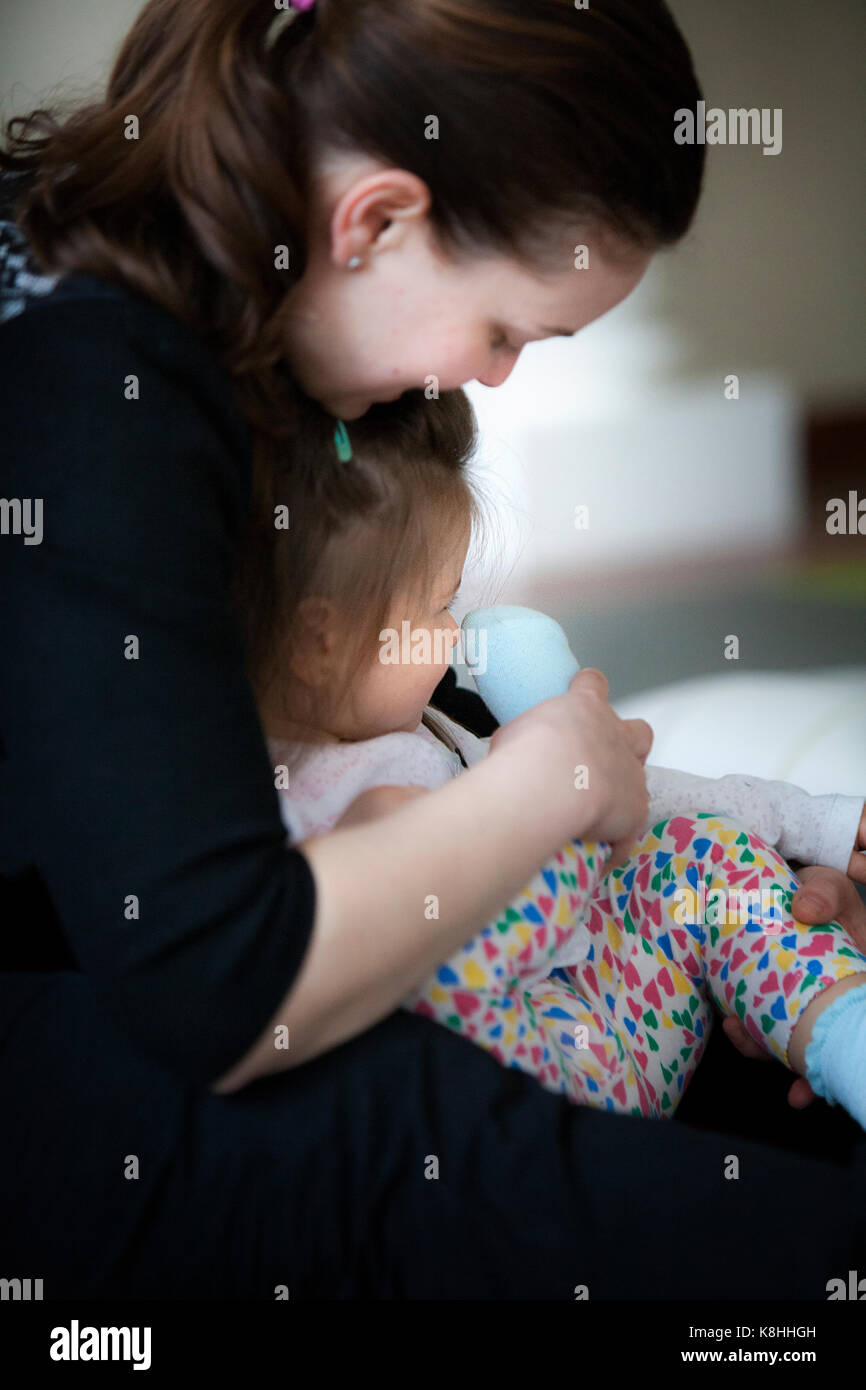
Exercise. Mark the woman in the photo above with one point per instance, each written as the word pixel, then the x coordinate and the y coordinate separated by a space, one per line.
pixel 337 205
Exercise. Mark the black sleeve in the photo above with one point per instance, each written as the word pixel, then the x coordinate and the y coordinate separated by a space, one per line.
pixel 136 778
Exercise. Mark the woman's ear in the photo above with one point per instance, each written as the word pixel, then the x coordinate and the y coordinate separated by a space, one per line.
pixel 315 642
pixel 376 213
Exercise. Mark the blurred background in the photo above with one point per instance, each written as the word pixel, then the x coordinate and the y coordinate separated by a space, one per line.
pixel 705 516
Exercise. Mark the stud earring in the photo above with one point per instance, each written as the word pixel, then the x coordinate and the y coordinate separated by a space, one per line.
pixel 354 263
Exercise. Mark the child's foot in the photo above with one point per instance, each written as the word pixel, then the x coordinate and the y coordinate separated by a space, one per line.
pixel 828 1045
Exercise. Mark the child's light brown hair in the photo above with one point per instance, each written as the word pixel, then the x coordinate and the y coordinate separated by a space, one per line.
pixel 361 534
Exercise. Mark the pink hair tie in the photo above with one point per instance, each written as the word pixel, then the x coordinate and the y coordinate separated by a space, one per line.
pixel 301 4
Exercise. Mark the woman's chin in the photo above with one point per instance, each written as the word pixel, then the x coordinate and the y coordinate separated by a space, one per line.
pixel 353 407
pixel 348 407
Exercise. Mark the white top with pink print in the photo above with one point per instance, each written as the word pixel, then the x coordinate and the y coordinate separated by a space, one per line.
pixel 809 829
pixel 330 779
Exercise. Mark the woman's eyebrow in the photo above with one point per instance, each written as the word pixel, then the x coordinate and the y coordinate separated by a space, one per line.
pixel 559 332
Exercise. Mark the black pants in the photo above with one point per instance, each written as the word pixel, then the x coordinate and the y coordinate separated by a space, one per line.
pixel 404 1164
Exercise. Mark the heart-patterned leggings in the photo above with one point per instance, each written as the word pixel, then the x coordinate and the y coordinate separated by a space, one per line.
pixel 699 915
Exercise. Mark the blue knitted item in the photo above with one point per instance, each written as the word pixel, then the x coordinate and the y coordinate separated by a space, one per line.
pixel 836 1054
pixel 517 658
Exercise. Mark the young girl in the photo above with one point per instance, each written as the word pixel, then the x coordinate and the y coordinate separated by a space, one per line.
pixel 355 563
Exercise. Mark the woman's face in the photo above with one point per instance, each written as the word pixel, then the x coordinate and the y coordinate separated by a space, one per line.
pixel 409 314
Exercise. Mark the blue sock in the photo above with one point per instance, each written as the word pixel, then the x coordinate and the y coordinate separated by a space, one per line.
pixel 836 1054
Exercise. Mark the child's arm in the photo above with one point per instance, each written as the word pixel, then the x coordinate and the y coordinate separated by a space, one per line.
pixel 809 829
pixel 376 802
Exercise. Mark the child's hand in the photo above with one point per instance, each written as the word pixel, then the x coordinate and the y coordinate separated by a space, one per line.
pixel 376 802
pixel 857 863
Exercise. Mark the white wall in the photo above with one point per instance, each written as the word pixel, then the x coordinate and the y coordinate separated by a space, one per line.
pixel 772 277
pixel 44 43
pixel 631 414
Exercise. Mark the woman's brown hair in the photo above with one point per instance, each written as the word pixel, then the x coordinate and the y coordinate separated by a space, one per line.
pixel 193 170
pixel 360 534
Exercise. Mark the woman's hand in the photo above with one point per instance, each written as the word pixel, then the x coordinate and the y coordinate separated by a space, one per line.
pixel 590 762
pixel 825 895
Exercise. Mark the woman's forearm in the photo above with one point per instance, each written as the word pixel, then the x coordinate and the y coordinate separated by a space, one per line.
pixel 397 896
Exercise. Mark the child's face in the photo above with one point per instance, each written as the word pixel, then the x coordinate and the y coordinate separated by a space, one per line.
pixel 414 652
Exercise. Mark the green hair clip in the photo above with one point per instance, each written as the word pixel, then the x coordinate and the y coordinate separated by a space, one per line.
pixel 343 443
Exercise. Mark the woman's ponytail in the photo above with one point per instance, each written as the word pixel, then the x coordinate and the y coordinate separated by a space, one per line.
pixel 189 180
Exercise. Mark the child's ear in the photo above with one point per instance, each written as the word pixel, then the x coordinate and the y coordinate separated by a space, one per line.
pixel 315 641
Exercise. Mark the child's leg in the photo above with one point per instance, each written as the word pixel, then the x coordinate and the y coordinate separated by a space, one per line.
pixel 655 960
pixel 576 1036
pixel 585 1014
pixel 761 964
pixel 625 1029
pixel 638 1003
pixel 689 884
pixel 481 991
pixel 518 945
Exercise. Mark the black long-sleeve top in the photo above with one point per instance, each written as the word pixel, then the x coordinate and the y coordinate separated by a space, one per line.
pixel 140 835
pixel 136 794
